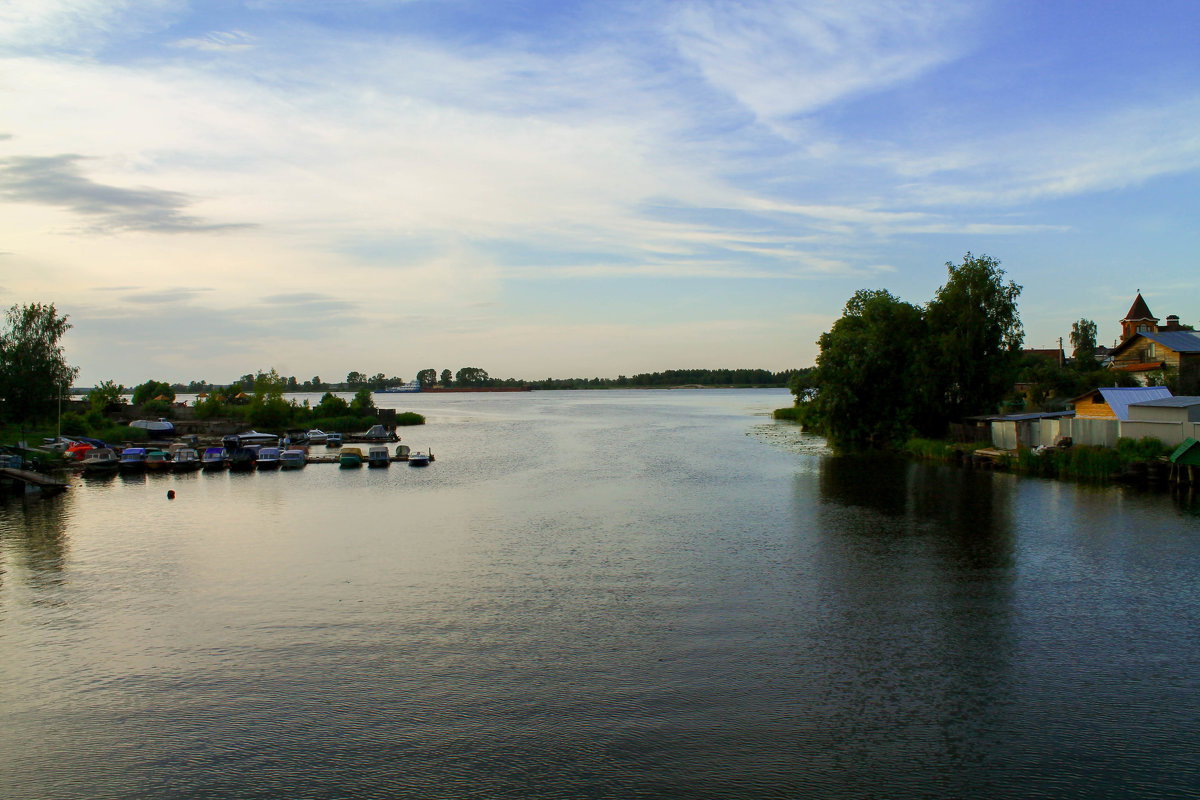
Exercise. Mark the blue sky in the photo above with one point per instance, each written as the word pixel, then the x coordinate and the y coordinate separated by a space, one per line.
pixel 560 189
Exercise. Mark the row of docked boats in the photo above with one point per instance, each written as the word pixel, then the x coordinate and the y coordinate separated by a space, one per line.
pixel 378 456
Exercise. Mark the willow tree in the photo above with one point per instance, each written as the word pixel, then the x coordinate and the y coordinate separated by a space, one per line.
pixel 34 373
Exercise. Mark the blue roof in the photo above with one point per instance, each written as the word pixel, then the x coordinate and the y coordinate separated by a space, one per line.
pixel 1182 401
pixel 1118 399
pixel 1179 341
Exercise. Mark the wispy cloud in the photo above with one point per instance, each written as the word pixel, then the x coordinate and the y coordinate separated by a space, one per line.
pixel 59 181
pixel 219 41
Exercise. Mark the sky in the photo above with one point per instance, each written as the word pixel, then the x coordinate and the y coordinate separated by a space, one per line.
pixel 561 189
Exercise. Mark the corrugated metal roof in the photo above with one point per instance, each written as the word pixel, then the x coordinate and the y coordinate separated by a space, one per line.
pixel 1118 399
pixel 1182 401
pixel 1179 341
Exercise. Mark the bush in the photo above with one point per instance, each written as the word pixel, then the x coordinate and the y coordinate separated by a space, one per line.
pixel 73 424
pixel 791 413
pixel 410 418
pixel 159 408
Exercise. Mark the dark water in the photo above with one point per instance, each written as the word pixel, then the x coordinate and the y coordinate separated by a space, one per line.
pixel 601 594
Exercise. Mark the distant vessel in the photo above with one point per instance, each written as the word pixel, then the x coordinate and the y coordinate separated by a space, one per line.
pixel 407 388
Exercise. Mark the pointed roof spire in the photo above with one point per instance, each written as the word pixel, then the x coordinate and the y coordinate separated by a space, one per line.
pixel 1139 310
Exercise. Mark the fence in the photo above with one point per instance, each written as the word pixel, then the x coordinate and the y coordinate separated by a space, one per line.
pixel 1011 434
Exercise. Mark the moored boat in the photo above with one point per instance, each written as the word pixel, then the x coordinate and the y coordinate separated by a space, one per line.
pixel 378 456
pixel 316 436
pixel 293 459
pixel 186 460
pixel 100 459
pixel 241 459
pixel 157 428
pixel 214 459
pixel 333 440
pixel 156 461
pixel 133 459
pixel 267 458
pixel 418 459
pixel 350 457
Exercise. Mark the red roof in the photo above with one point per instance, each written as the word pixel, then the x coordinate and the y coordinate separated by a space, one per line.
pixel 1139 310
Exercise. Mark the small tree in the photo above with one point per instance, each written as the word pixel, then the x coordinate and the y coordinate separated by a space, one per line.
pixel 355 378
pixel 33 370
pixel 107 396
pixel 362 402
pixel 447 377
pixel 471 376
pixel 1083 340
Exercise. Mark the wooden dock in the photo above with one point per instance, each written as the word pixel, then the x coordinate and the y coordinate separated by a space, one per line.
pixel 32 483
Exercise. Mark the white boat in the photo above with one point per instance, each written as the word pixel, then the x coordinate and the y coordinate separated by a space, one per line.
pixel 418 459
pixel 292 459
pixel 267 458
pixel 377 456
pixel 254 437
pixel 102 459
pixel 157 428
pixel 317 436
pixel 186 460
pixel 411 386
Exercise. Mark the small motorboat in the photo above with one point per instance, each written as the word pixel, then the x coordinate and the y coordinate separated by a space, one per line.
pixel 241 459
pixel 186 460
pixel 316 436
pixel 156 461
pixel 333 440
pixel 378 456
pixel 293 459
pixel 267 458
pixel 350 458
pixel 100 459
pixel 214 459
pixel 418 459
pixel 133 459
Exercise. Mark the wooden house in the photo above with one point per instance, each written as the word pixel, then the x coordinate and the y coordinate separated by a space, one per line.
pixel 1114 403
pixel 1147 348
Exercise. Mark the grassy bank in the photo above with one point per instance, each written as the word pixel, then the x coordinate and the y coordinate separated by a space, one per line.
pixel 1080 463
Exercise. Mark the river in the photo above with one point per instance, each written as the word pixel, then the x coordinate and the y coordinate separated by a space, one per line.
pixel 610 594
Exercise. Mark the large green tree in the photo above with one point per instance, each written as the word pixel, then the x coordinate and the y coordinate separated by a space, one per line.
pixel 866 372
pixel 427 377
pixel 975 336
pixel 33 369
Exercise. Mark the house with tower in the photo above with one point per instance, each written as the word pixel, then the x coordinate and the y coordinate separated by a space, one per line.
pixel 1149 349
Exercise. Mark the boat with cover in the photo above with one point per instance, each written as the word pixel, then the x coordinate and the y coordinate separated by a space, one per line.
pixel 156 461
pixel 293 459
pixel 241 459
pixel 267 458
pixel 100 459
pixel 350 458
pixel 186 460
pixel 133 459
pixel 254 437
pixel 377 456
pixel 157 428
pixel 214 459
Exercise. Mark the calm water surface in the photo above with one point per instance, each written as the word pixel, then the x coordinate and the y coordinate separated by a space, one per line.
pixel 600 594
